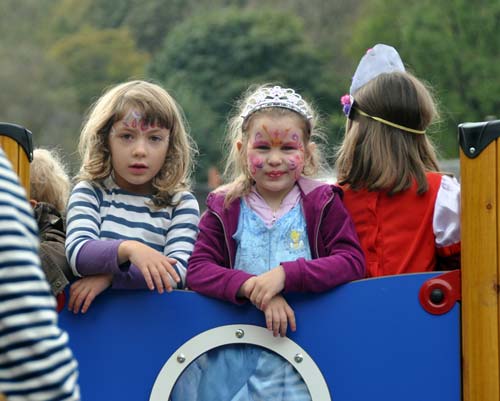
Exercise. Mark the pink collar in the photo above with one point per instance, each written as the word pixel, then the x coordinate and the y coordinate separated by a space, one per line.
pixel 262 209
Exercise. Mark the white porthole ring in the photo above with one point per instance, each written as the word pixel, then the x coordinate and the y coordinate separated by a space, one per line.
pixel 240 334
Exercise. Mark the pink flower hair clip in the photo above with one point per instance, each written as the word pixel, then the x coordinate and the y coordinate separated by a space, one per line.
pixel 346 102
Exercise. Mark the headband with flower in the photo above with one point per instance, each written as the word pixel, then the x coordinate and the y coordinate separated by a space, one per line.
pixel 378 60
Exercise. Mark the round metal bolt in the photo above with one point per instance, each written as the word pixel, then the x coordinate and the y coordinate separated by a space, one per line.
pixel 181 358
pixel 298 358
pixel 472 150
pixel 437 296
pixel 239 333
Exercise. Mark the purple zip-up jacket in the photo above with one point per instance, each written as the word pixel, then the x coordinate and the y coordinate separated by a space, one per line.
pixel 337 254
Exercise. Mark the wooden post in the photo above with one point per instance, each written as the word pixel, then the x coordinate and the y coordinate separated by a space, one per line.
pixel 17 144
pixel 480 189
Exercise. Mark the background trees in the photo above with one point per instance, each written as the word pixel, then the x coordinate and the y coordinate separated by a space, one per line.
pixel 95 58
pixel 59 55
pixel 453 46
pixel 210 59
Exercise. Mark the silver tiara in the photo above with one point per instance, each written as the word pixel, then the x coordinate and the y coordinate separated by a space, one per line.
pixel 277 96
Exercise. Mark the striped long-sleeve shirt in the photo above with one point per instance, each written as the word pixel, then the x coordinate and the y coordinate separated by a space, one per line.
pixel 101 216
pixel 35 361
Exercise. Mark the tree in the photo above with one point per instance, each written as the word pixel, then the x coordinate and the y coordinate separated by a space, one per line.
pixel 328 23
pixel 33 92
pixel 149 22
pixel 216 56
pixel 452 45
pixel 97 59
pixel 21 21
pixel 33 95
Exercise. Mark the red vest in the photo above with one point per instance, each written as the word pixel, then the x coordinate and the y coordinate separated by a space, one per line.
pixel 396 232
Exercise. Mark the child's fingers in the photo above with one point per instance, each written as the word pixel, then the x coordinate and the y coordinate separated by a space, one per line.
pixel 172 261
pixel 269 319
pixel 165 280
pixel 261 297
pixel 265 300
pixel 157 277
pixel 165 276
pixel 147 278
pixel 88 301
pixel 74 292
pixel 249 286
pixel 276 324
pixel 283 323
pixel 272 321
pixel 80 298
pixel 172 272
pixel 255 297
pixel 291 318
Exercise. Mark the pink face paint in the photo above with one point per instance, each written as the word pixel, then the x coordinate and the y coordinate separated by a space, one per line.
pixel 295 163
pixel 144 126
pixel 288 141
pixel 255 163
pixel 276 137
pixel 134 119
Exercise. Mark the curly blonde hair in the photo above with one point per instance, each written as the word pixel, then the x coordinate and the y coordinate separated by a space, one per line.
pixel 236 170
pixel 156 105
pixel 49 181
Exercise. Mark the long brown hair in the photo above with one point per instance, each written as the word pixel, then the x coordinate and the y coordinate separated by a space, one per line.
pixel 377 156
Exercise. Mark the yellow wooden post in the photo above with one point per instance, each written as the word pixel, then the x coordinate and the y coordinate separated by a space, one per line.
pixel 17 144
pixel 480 188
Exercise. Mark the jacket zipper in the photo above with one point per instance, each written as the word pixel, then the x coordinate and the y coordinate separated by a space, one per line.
pixel 319 224
pixel 225 237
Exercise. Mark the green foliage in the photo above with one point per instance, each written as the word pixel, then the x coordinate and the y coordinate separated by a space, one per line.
pixel 51 114
pixel 68 16
pixel 218 55
pixel 204 126
pixel 58 55
pixel 451 45
pixel 33 91
pixel 148 21
pixel 22 21
pixel 96 59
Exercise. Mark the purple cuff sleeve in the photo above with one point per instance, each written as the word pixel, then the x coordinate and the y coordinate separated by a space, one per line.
pixel 293 276
pixel 130 280
pixel 98 257
pixel 234 285
pixel 101 257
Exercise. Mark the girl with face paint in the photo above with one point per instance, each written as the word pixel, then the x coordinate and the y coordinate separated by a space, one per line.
pixel 131 220
pixel 271 231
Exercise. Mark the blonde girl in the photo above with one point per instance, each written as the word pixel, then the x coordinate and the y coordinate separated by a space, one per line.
pixel 49 181
pixel 49 191
pixel 132 221
pixel 272 230
pixel 407 213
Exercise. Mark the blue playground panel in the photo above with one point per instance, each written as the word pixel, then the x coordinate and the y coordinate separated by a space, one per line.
pixel 371 339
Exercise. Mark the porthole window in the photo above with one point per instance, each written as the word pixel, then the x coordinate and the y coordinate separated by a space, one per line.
pixel 232 362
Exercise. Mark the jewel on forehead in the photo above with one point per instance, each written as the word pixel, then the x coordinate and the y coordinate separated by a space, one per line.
pixel 276 96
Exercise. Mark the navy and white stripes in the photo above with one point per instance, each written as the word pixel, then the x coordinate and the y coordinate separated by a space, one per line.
pixel 106 212
pixel 35 362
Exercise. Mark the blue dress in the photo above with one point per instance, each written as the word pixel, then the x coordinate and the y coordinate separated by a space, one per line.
pixel 261 248
pixel 245 372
